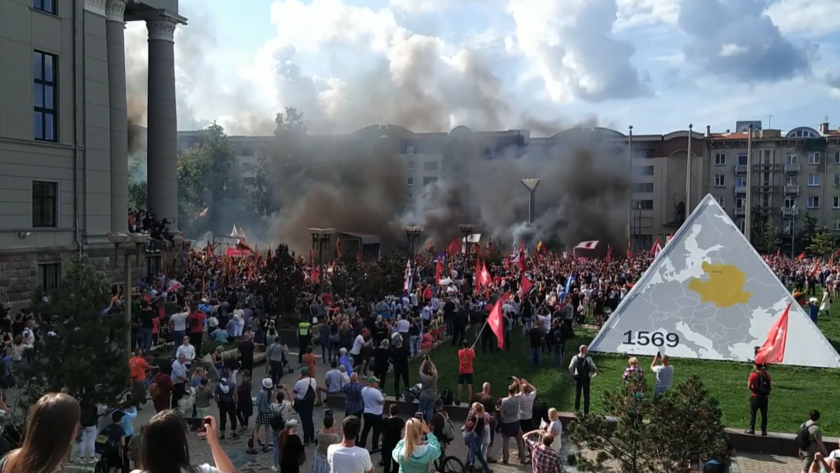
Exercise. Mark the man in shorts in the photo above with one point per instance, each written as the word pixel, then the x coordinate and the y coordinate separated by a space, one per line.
pixel 466 355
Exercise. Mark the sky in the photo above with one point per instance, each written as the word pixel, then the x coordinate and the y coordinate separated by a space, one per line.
pixel 546 65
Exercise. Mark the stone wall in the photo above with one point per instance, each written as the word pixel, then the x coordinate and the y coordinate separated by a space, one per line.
pixel 19 272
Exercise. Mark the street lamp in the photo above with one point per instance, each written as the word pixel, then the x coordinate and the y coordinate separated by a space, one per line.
pixel 637 236
pixel 466 232
pixel 531 185
pixel 320 242
pixel 412 232
pixel 131 245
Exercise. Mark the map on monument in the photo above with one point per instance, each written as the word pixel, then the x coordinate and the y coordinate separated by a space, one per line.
pixel 710 295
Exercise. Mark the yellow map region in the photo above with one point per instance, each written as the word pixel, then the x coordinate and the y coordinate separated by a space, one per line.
pixel 724 288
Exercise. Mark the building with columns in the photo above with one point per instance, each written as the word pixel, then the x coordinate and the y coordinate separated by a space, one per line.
pixel 63 132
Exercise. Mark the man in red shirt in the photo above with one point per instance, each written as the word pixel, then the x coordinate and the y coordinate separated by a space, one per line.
pixel 759 386
pixel 137 367
pixel 466 355
pixel 196 321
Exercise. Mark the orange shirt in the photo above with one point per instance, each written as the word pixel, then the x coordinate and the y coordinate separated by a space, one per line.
pixel 465 361
pixel 310 361
pixel 137 367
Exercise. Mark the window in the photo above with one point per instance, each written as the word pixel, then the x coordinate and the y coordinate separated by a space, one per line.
pixel 44 122
pixel 720 159
pixel 740 223
pixel 813 201
pixel 643 187
pixel 837 157
pixel 767 158
pixel 430 165
pixel 46 6
pixel 836 202
pixel 49 275
pixel 250 167
pixel 247 151
pixel 742 159
pixel 643 170
pixel 722 201
pixel 409 181
pixel 790 202
pixel 44 204
pixel 790 159
pixel 409 165
pixel 409 149
pixel 720 180
pixel 739 203
pixel 814 157
pixel 429 180
pixel 740 182
pixel 410 196
pixel 643 204
pixel 814 180
pixel 790 181
pixel 837 180
pixel 837 224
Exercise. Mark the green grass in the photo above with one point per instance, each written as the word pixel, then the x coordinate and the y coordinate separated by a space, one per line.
pixel 795 390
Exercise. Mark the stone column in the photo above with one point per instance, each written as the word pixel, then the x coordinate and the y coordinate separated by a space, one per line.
pixel 115 28
pixel 162 121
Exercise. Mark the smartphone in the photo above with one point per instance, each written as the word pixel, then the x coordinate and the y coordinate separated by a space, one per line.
pixel 196 423
pixel 418 415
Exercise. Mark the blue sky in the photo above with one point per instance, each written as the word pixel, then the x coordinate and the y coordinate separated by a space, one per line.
pixel 431 65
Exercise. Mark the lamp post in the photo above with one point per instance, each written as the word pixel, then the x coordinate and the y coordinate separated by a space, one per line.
pixel 412 232
pixel 131 245
pixel 531 185
pixel 320 242
pixel 638 217
pixel 466 232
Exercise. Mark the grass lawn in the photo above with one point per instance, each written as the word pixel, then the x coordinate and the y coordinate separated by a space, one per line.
pixel 795 390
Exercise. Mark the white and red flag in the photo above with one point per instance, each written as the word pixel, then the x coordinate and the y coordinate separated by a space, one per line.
pixel 587 245
pixel 496 323
pixel 773 350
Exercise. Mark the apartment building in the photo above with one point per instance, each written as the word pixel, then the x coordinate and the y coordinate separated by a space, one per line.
pixel 63 132
pixel 792 173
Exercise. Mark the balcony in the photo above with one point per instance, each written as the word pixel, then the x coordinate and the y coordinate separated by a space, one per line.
pixel 740 189
pixel 740 169
pixel 790 212
pixel 792 189
pixel 740 211
pixel 792 168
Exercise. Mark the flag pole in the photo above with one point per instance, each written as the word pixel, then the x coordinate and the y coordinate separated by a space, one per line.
pixel 479 333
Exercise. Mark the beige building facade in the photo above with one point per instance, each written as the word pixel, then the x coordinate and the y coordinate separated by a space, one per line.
pixel 63 132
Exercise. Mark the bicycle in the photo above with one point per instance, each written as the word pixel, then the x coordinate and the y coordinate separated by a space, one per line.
pixel 448 463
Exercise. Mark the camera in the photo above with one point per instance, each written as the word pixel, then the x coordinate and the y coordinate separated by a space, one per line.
pixel 418 415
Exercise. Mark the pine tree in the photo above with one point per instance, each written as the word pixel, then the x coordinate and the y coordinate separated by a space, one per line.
pixel 80 350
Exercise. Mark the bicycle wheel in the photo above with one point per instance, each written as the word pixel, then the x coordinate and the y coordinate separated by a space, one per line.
pixel 451 465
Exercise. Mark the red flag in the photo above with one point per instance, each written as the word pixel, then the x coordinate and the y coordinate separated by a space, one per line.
pixel 507 263
pixel 209 248
pixel 484 276
pixel 525 284
pixel 359 257
pixel 629 252
pixel 773 350
pixel 609 254
pixel 656 248
pixel 454 247
pixel 310 257
pixel 801 256
pixel 837 253
pixel 315 276
pixel 438 268
pixel 496 323
pixel 337 248
pixel 778 252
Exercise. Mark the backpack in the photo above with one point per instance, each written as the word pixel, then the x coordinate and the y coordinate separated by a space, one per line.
pixel 803 437
pixel 105 444
pixel 448 430
pixel 310 393
pixel 277 421
pixel 446 397
pixel 763 386
pixel 582 367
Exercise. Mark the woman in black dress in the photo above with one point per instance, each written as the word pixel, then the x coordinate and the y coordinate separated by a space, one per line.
pixel 293 454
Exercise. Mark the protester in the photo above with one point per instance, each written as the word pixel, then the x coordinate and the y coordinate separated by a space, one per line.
pixel 466 355
pixel 324 439
pixel 474 436
pixel 392 428
pixel 374 403
pixel 582 369
pixel 759 385
pixel 545 459
pixel 428 379
pixel 346 457
pixel 292 451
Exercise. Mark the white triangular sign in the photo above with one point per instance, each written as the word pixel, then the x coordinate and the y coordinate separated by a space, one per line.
pixel 710 295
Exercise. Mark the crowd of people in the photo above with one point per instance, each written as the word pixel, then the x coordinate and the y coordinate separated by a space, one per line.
pixel 361 340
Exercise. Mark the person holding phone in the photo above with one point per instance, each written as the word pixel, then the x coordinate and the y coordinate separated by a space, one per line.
pixel 411 453
pixel 164 446
pixel 428 393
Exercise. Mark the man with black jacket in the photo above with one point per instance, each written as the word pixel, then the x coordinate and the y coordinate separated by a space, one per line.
pixel 582 369
pixel 399 359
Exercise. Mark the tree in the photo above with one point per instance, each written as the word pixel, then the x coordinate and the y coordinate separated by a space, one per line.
pixel 284 169
pixel 81 351
pixel 639 433
pixel 822 244
pixel 764 232
pixel 137 182
pixel 210 177
pixel 285 277
pixel 807 230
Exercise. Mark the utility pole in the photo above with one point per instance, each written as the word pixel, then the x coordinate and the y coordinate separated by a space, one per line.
pixel 748 200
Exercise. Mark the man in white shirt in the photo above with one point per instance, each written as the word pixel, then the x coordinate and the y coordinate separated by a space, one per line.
pixel 374 403
pixel 346 457
pixel 178 325
pixel 186 350
pixel 180 377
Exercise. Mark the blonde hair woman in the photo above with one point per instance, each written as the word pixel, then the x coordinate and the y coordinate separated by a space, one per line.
pixel 474 435
pixel 411 453
pixel 554 427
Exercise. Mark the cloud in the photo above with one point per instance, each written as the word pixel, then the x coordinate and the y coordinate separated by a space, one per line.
pixel 571 44
pixel 738 40
pixel 832 80
pixel 636 13
pixel 806 17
